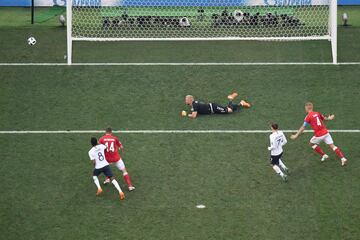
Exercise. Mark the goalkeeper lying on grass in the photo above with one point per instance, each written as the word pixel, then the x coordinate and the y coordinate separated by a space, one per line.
pixel 198 107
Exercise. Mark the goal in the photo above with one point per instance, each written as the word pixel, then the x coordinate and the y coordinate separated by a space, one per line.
pixel 180 20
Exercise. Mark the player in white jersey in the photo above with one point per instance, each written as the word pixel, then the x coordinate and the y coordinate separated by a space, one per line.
pixel 277 141
pixel 97 156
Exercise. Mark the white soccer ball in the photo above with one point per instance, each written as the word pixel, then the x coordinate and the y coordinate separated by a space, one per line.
pixel 31 41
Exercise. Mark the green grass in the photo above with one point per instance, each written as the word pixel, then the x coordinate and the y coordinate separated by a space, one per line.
pixel 53 197
pixel 151 97
pixel 47 190
pixel 50 190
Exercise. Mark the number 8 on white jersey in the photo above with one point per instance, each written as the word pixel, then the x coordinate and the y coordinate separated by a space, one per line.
pixel 97 154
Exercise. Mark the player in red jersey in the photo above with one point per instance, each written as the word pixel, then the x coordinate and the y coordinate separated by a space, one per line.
pixel 321 134
pixel 112 155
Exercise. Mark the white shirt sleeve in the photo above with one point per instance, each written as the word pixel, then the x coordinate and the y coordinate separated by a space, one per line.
pixel 284 140
pixel 90 156
pixel 271 144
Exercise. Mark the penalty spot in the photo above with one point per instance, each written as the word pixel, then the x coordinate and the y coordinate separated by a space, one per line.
pixel 200 206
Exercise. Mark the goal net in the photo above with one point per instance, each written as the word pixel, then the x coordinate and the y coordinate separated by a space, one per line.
pixel 131 20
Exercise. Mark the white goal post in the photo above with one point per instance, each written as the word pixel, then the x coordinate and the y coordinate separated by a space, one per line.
pixel 181 20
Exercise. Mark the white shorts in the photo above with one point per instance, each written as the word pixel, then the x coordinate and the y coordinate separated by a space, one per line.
pixel 120 164
pixel 326 138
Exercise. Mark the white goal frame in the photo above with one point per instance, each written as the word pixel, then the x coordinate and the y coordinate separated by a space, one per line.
pixel 332 35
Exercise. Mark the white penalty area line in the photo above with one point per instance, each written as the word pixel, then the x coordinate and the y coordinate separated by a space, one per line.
pixel 162 131
pixel 184 64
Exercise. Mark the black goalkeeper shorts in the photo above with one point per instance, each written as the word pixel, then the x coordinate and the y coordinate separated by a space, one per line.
pixel 218 109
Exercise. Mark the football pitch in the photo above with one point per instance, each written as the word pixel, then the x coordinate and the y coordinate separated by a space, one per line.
pixel 47 191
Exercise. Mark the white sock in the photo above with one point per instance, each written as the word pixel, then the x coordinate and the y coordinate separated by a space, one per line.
pixel 282 165
pixel 96 181
pixel 278 170
pixel 116 184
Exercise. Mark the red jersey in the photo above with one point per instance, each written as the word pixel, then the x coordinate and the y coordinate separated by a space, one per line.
pixel 315 119
pixel 112 144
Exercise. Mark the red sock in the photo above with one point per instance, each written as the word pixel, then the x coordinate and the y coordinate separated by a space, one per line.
pixel 127 179
pixel 318 150
pixel 338 152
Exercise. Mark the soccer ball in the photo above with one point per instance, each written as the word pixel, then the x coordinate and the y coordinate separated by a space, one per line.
pixel 31 41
